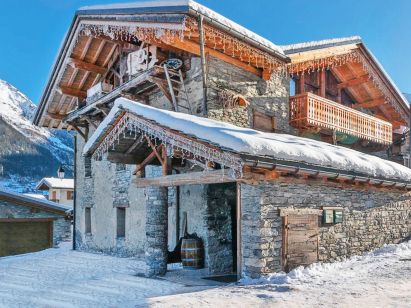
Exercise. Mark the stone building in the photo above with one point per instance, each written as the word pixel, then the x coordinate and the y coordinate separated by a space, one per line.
pixel 30 224
pixel 279 156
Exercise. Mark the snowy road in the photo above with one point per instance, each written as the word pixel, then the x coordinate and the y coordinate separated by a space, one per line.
pixel 64 278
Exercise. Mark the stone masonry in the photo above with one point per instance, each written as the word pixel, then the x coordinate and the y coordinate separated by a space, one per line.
pixel 371 218
pixel 156 226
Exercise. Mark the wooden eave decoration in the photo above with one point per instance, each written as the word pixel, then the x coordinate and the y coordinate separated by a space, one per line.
pixel 336 57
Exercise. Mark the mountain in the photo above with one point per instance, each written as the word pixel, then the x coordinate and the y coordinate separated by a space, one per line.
pixel 27 152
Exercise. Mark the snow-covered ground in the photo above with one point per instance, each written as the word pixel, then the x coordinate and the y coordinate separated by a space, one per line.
pixel 64 278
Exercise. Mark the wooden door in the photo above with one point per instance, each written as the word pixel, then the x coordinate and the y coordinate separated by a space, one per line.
pixel 300 240
pixel 18 237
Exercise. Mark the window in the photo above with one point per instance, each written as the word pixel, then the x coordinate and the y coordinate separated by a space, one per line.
pixel 121 222
pixel 87 220
pixel 87 166
pixel 69 195
pixel 263 122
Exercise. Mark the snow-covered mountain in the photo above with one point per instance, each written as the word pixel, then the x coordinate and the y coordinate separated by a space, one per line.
pixel 27 152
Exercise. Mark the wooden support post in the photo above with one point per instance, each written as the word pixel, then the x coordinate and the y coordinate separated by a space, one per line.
pixel 339 99
pixel 166 162
pixel 301 84
pixel 322 83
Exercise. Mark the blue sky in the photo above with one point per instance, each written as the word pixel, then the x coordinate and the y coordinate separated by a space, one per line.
pixel 31 31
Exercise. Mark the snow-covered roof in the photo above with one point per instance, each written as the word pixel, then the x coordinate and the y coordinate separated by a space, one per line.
pixel 178 6
pixel 32 201
pixel 37 196
pixel 301 47
pixel 255 143
pixel 56 183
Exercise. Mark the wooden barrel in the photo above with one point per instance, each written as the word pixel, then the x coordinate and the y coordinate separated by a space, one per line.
pixel 192 253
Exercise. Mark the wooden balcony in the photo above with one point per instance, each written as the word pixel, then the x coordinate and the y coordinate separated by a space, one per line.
pixel 308 110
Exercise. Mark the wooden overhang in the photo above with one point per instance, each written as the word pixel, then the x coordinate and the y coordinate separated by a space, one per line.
pixel 358 73
pixel 97 36
pixel 43 205
pixel 132 139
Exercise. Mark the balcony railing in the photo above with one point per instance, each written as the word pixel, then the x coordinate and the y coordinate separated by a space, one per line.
pixel 310 110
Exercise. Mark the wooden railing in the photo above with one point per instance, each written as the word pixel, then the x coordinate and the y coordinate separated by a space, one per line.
pixel 310 110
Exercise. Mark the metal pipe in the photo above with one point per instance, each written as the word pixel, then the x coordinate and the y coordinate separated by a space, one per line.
pixel 75 192
pixel 203 63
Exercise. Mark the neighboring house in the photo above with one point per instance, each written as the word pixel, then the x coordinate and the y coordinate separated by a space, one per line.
pixel 30 224
pixel 151 89
pixel 59 190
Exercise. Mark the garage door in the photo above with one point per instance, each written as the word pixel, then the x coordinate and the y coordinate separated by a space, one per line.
pixel 18 237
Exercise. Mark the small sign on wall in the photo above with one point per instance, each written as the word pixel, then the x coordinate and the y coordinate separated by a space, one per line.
pixel 332 215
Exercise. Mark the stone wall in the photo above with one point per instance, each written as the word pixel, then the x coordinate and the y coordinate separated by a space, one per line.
pixel 268 97
pixel 371 218
pixel 220 219
pixel 109 187
pixel 61 226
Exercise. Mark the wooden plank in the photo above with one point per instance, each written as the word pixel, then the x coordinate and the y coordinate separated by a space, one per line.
pixel 73 92
pixel 354 82
pixel 89 67
pixel 192 178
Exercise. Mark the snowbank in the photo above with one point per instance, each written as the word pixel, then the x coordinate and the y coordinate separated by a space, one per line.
pixel 317 270
pixel 249 141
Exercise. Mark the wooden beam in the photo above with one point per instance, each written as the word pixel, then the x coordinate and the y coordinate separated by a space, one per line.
pixel 78 130
pixel 159 157
pixel 56 116
pixel 86 66
pixel 191 178
pixel 134 145
pixel 354 82
pixel 194 48
pixel 121 158
pixel 371 103
pixel 145 162
pixel 73 92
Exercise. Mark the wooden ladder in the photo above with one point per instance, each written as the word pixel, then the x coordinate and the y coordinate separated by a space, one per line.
pixel 177 85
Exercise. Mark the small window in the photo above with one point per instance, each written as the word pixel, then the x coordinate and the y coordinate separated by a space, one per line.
pixel 263 122
pixel 121 222
pixel 87 220
pixel 87 166
pixel 69 195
